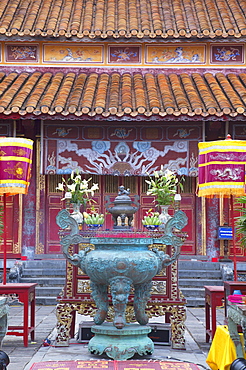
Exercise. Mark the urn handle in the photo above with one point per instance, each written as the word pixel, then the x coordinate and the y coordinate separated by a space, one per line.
pixel 64 220
pixel 176 223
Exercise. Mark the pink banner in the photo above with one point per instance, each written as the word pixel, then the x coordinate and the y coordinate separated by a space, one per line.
pixel 15 165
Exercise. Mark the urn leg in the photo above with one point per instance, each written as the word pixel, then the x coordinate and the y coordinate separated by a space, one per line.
pixel 115 220
pixel 130 218
pixel 120 290
pixel 141 296
pixel 123 219
pixel 100 296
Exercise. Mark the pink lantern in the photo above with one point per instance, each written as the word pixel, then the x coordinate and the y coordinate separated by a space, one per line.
pixel 15 165
pixel 15 173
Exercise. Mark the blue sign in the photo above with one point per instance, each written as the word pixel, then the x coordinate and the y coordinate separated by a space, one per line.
pixel 225 232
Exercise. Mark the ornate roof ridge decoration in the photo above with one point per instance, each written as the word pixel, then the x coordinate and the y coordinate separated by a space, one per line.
pixel 112 94
pixel 125 19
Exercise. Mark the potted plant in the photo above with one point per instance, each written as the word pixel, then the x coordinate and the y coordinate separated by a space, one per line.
pixel 151 220
pixel 164 185
pixel 77 191
pixel 93 219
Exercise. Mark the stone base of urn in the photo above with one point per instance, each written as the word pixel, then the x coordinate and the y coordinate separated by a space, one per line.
pixel 121 344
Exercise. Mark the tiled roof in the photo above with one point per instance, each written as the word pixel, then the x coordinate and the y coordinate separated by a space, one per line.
pixel 118 94
pixel 123 18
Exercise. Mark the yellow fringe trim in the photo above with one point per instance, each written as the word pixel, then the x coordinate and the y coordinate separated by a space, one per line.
pixel 209 193
pixel 13 191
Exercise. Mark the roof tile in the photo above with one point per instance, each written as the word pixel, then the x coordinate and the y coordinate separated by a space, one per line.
pixel 114 94
pixel 123 18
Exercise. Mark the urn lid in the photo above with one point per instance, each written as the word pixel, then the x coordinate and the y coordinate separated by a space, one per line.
pixel 123 196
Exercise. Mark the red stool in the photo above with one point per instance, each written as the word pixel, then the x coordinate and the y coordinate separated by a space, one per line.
pixel 26 295
pixel 214 296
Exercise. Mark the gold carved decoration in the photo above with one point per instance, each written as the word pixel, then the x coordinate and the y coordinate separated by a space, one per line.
pixel 39 249
pixel 16 248
pixel 40 216
pixel 88 308
pixel 82 246
pixel 174 278
pixel 40 186
pixel 69 278
pixel 159 287
pixel 160 247
pixel 84 286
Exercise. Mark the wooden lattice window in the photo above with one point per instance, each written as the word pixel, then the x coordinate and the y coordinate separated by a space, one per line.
pixel 111 184
pixel 53 181
pixel 130 182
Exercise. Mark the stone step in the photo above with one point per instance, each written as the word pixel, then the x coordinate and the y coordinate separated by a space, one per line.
pixel 193 292
pixel 45 281
pixel 195 302
pixel 50 291
pixel 43 272
pixel 198 265
pixel 199 274
pixel 46 301
pixel 199 283
pixel 193 257
pixel 48 256
pixel 54 264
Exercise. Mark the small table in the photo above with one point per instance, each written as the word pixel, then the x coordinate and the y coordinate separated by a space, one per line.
pixel 230 286
pixel 213 297
pixel 25 294
pixel 237 316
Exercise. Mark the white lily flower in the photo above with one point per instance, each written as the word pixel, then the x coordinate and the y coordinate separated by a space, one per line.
pixel 95 187
pixel 83 186
pixel 71 187
pixel 60 187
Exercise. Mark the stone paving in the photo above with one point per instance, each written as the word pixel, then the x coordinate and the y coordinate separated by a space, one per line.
pixel 21 358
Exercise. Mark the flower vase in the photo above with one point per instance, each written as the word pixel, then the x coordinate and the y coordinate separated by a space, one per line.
pixel 94 226
pixel 76 214
pixel 164 216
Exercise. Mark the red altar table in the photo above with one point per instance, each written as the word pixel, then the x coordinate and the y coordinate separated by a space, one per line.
pixel 25 294
pixel 214 296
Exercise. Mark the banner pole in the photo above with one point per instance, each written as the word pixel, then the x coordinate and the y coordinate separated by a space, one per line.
pixel 233 240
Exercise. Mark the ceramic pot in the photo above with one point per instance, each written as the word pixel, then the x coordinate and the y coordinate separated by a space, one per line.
pixel 76 214
pixel 164 216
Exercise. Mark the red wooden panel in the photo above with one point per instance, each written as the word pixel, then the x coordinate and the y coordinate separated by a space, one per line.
pixel 52 229
pixel 188 206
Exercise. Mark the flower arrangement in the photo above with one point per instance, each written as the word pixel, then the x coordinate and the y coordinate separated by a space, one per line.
pixel 91 217
pixel 77 189
pixel 151 218
pixel 163 186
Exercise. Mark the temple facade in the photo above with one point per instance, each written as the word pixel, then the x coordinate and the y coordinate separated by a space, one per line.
pixel 116 89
